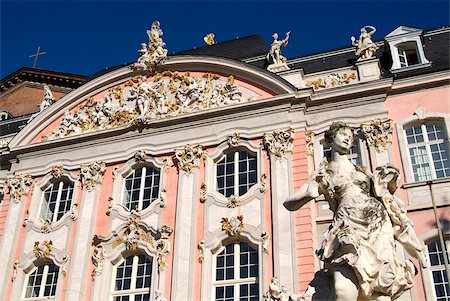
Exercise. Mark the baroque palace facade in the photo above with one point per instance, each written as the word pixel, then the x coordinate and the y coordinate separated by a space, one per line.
pixel 165 179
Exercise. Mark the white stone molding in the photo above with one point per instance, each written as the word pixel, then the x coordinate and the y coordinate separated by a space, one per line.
pixel 284 252
pixel 378 133
pixel 43 253
pixel 214 242
pixel 209 192
pixel 116 208
pixel 185 224
pixel 33 221
pixel 131 237
pixel 17 186
pixel 279 142
pixel 418 117
pixel 92 174
pixel 188 157
pixel 369 70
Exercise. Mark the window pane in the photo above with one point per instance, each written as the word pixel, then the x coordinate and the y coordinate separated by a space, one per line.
pixel 439 275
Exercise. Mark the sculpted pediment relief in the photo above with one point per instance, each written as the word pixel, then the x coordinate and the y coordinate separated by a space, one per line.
pixel 141 100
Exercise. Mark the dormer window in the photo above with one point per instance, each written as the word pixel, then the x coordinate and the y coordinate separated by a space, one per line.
pixel 406 49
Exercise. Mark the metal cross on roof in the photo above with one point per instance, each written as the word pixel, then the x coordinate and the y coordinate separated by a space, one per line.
pixel 38 53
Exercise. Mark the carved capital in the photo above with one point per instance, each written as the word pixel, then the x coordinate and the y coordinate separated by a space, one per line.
pixel 92 174
pixel 233 226
pixel 279 142
pixel 188 158
pixel 378 133
pixel 17 186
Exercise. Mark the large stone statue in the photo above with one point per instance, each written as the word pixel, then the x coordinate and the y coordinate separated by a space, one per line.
pixel 365 47
pixel 359 247
pixel 274 56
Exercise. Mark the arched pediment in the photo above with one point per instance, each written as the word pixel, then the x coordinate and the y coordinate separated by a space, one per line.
pixel 128 99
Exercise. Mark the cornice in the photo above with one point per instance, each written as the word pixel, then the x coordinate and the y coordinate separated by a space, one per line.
pixel 416 82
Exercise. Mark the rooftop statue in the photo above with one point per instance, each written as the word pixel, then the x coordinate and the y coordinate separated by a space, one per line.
pixel 274 56
pixel 360 261
pixel 154 53
pixel 365 47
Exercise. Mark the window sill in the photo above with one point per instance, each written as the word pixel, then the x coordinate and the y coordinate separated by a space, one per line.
pixel 409 68
pixel 425 183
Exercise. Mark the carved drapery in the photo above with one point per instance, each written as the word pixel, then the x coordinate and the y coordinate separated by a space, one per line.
pixel 92 174
pixel 378 133
pixel 139 102
pixel 189 157
pixel 279 142
pixel 17 186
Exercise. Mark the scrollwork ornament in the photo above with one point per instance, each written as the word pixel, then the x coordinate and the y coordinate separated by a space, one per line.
pixel 46 227
pixel 233 226
pixel 201 250
pixel 163 198
pixel 234 140
pixel 17 186
pixel 309 138
pixel 279 142
pixel 203 195
pixel 188 158
pixel 163 246
pixel 98 259
pixel 264 187
pixel 66 264
pixel 57 171
pixel 378 133
pixel 233 201
pixel 265 237
pixel 42 250
pixel 92 174
pixel 74 211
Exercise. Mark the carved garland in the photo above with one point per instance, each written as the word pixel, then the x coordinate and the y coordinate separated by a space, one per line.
pixel 331 80
pixel 233 226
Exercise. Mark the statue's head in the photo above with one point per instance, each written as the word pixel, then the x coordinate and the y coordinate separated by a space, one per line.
pixel 275 36
pixel 335 127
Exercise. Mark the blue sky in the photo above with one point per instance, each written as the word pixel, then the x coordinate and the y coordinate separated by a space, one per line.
pixel 84 37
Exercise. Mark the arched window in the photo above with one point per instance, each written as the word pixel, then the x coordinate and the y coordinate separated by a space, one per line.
pixel 132 279
pixel 437 267
pixel 56 200
pixel 428 150
pixel 236 172
pixel 41 282
pixel 141 187
pixel 236 273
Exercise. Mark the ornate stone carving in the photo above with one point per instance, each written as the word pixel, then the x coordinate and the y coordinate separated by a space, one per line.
pixel 163 246
pixel 209 39
pixel 279 142
pixel 163 198
pixel 42 250
pixel 309 143
pixel 234 140
pixel 57 171
pixel 368 222
pixel 365 47
pixel 15 267
pixel 92 174
pixel 47 101
pixel 17 186
pixel 159 295
pixel 265 237
pixel 233 201
pixel 46 227
pixel 66 264
pixel 264 186
pixel 233 226
pixel 98 258
pixel 140 156
pixel 201 250
pixel 203 196
pixel 110 206
pixel 378 133
pixel 168 162
pixel 275 293
pixel 153 54
pixel 139 102
pixel 189 157
pixel 331 80
pixel 274 58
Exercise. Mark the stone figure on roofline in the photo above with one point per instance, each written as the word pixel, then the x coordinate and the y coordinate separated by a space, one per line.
pixel 365 47
pixel 274 58
pixel 358 251
pixel 154 53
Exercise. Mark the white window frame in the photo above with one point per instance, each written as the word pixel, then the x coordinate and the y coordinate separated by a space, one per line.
pixel 425 143
pixel 236 281
pixel 132 291
pixel 438 267
pixel 43 282
pixel 236 169
pixel 60 183
pixel 141 186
